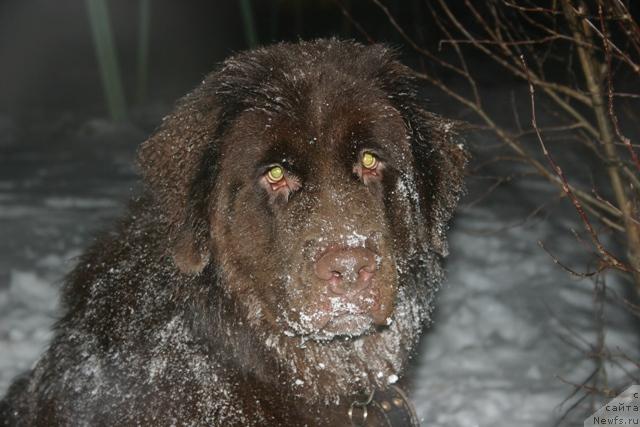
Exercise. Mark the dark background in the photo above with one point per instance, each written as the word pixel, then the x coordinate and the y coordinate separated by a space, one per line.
pixel 48 62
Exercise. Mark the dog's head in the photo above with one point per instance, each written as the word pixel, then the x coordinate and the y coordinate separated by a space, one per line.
pixel 313 179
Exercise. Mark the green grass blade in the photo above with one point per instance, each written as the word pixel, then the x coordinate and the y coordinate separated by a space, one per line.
pixel 107 58
pixel 143 50
pixel 249 25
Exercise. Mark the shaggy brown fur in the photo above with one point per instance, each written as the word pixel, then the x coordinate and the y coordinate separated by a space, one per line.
pixel 227 297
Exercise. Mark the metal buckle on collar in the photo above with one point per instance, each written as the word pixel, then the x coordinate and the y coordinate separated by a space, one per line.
pixel 363 405
pixel 392 405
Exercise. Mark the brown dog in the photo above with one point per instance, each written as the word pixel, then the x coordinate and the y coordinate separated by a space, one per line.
pixel 281 264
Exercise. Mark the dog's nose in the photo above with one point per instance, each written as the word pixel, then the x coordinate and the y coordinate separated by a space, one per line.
pixel 347 269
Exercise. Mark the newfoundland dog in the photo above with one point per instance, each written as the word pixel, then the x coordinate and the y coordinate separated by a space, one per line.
pixel 280 264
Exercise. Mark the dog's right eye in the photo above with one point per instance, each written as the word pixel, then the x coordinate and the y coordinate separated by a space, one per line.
pixel 279 182
pixel 275 174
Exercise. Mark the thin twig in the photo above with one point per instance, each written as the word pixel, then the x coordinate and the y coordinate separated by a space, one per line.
pixel 607 256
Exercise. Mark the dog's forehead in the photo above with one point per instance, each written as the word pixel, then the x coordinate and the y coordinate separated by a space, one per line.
pixel 323 126
pixel 298 112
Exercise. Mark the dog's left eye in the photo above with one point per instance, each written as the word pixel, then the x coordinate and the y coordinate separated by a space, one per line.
pixel 369 160
pixel 369 167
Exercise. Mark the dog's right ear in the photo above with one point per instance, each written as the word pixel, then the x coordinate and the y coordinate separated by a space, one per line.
pixel 178 166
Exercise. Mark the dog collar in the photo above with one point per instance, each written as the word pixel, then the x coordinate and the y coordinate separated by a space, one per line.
pixel 391 404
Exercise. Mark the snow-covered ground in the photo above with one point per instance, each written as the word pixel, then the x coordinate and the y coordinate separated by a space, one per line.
pixel 506 317
pixel 511 327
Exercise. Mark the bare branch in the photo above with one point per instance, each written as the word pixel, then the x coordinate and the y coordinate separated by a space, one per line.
pixel 604 253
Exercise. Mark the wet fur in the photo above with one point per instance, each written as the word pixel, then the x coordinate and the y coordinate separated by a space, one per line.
pixel 162 323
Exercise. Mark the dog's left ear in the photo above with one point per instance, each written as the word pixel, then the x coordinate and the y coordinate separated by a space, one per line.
pixel 440 160
pixel 178 164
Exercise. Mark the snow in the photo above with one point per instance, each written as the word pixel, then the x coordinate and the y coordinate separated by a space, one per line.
pixel 504 320
pixel 26 306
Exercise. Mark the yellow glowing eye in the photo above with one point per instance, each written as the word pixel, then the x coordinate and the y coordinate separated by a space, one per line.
pixel 275 174
pixel 369 161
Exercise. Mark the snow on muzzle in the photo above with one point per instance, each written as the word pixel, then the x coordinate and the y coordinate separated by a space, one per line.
pixel 343 290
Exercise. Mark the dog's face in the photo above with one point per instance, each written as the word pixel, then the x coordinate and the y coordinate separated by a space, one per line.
pixel 308 176
pixel 306 205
